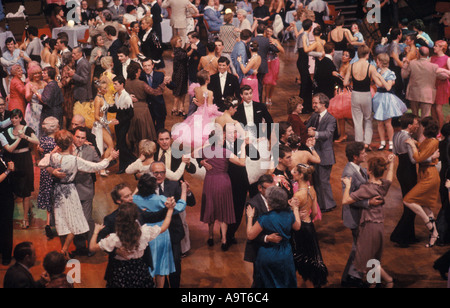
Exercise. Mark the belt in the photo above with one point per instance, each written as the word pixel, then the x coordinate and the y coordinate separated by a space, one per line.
pixel 20 151
pixel 383 90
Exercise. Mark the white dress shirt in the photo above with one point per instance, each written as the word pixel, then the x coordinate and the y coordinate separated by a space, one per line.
pixel 248 108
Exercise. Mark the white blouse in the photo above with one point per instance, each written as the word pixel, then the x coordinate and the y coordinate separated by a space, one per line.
pixel 149 233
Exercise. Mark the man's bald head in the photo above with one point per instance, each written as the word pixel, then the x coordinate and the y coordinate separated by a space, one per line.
pixel 424 52
pixel 78 121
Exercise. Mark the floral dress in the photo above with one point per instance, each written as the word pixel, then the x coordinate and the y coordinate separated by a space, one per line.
pixel 45 197
pixel 69 216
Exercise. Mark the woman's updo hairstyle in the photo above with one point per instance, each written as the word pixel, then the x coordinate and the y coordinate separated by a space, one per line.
pixel 306 171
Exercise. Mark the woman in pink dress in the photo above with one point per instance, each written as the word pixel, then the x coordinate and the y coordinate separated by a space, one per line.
pixel 195 130
pixel 253 64
pixel 17 90
pixel 341 104
pixel 273 63
pixel 442 86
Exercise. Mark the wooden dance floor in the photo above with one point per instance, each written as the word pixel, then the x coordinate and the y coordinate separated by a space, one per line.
pixel 210 267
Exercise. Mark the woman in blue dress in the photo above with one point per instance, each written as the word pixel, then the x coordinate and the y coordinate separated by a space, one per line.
pixel 274 264
pixel 147 199
pixel 386 105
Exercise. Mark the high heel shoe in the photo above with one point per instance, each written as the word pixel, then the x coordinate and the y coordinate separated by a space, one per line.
pixel 390 284
pixel 435 237
pixel 25 224
pixel 341 139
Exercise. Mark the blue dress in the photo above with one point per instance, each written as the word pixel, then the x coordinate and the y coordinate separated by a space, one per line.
pixel 387 105
pixel 274 264
pixel 161 247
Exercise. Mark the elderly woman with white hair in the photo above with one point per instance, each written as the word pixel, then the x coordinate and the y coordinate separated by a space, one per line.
pixel 47 144
pixel 244 23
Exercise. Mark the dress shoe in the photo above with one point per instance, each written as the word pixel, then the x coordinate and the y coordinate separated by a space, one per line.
pixel 49 232
pixel 353 282
pixel 6 262
pixel 328 210
pixel 122 171
pixel 224 247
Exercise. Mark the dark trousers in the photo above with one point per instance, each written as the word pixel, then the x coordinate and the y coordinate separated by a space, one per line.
pixel 306 84
pixel 81 241
pixel 260 77
pixel 126 157
pixel 239 199
pixel 404 232
pixel 175 278
pixel 6 227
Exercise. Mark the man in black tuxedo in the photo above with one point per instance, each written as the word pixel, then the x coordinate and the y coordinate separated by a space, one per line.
pixel 122 194
pixel 239 179
pixel 111 34
pixel 123 107
pixel 157 18
pixel 151 46
pixel 18 276
pixel 195 51
pixel 251 114
pixel 177 229
pixel 263 50
pixel 326 73
pixel 259 203
pixel 86 13
pixel 156 103
pixel 224 84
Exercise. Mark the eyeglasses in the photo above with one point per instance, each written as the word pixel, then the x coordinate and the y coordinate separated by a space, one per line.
pixel 156 173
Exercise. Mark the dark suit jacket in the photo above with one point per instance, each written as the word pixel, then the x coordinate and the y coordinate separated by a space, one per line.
pixel 176 230
pixel 113 49
pixel 324 140
pixel 156 103
pixel 260 113
pixel 151 47
pixel 324 77
pixel 232 88
pixel 194 60
pixel 263 49
pixel 6 116
pixel 87 15
pixel 251 247
pixel 18 277
pixel 157 19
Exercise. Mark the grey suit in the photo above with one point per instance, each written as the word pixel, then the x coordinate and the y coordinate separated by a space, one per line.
pixel 117 14
pixel 85 184
pixel 351 214
pixel 324 147
pixel 82 81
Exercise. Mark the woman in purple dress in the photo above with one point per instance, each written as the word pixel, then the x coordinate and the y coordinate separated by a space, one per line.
pixel 217 196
